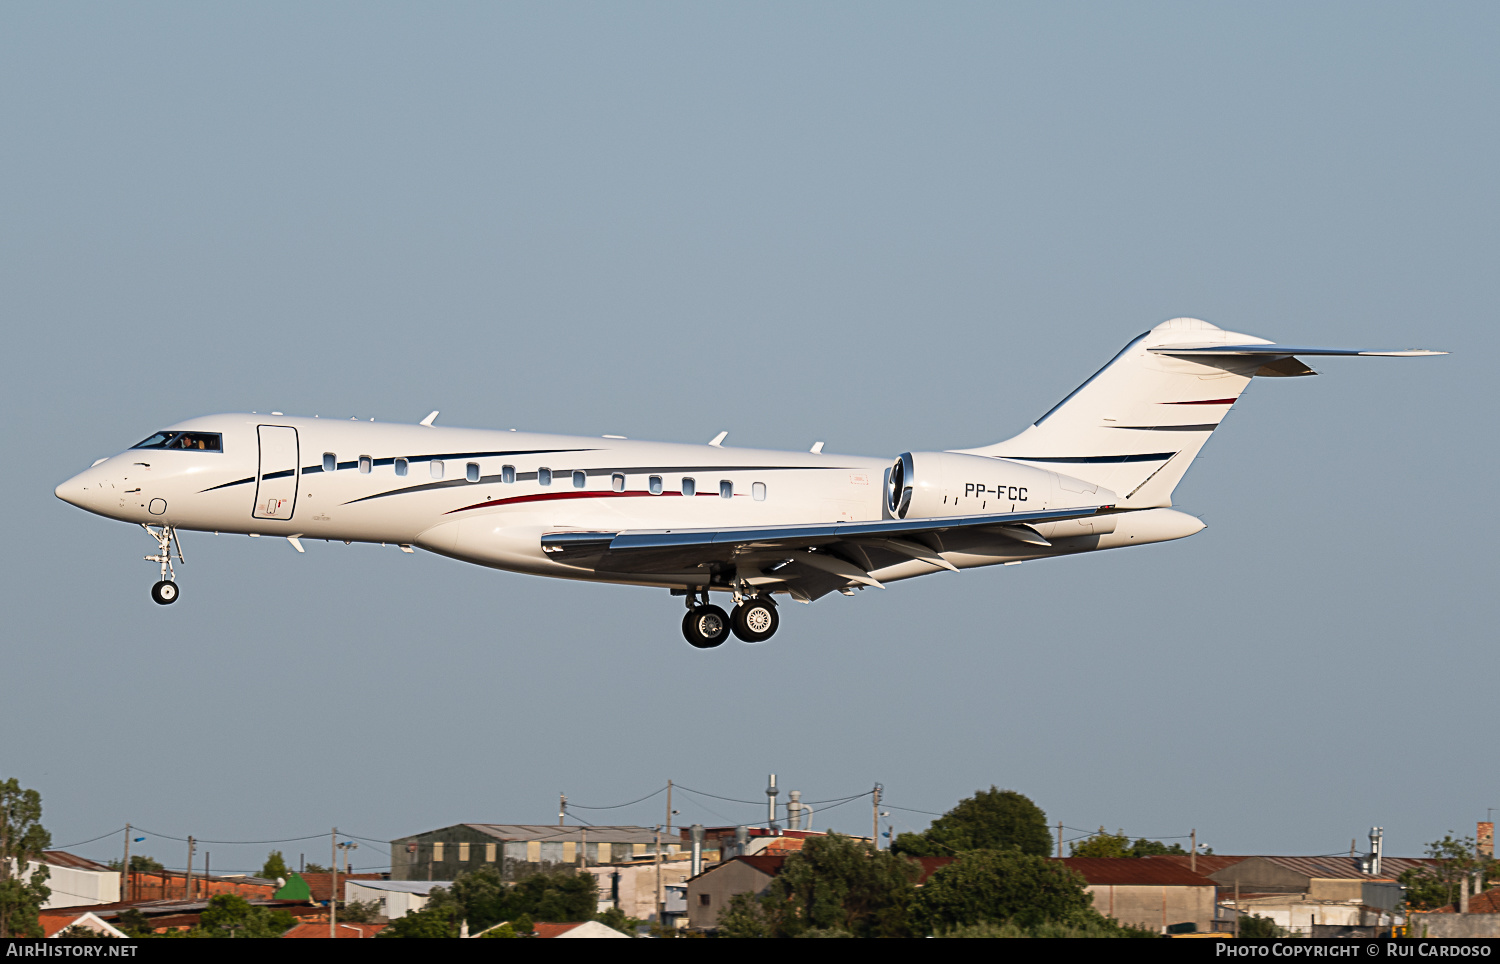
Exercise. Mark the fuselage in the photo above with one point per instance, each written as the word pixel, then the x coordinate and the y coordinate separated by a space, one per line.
pixel 488 496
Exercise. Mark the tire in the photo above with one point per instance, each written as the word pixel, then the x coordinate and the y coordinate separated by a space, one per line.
pixel 705 627
pixel 165 592
pixel 755 620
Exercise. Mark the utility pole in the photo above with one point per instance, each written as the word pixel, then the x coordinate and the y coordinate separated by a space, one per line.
pixel 1193 861
pixel 187 882
pixel 333 878
pixel 562 807
pixel 1059 839
pixel 669 808
pixel 661 900
pixel 875 816
pixel 125 868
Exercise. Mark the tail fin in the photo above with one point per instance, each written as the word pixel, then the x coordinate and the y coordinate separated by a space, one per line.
pixel 1137 424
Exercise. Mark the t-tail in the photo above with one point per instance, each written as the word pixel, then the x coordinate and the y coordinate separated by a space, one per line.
pixel 1137 424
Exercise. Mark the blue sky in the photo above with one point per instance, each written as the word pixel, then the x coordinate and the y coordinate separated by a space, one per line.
pixel 887 226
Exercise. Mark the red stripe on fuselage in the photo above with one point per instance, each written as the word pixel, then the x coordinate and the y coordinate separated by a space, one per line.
pixel 554 496
pixel 1210 401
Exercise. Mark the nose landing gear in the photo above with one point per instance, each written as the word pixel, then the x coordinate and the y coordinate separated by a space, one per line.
pixel 165 591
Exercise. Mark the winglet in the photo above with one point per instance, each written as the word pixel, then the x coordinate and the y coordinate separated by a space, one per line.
pixel 718 440
pixel 428 420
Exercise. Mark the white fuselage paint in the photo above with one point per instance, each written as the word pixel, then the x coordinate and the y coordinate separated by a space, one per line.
pixel 269 480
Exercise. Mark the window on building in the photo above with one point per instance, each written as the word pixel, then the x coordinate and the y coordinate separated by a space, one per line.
pixel 365 464
pixel 330 462
pixel 543 476
pixel 726 489
pixel 437 851
pixel 435 468
pixel 580 479
pixel 471 471
pixel 758 491
pixel 401 467
pixel 689 487
pixel 463 851
pixel 702 900
pixel 489 853
pixel 617 481
pixel 507 474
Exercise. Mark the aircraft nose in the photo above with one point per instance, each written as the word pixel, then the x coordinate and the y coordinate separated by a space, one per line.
pixel 70 492
pixel 82 490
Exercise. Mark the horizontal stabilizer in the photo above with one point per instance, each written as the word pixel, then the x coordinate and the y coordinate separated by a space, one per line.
pixel 1282 350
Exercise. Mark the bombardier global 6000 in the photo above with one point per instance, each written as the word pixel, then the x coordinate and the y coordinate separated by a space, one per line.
pixel 1095 472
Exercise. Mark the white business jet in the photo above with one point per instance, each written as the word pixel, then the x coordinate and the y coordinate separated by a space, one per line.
pixel 1095 472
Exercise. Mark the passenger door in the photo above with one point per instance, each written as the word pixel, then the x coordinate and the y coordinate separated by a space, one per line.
pixel 280 469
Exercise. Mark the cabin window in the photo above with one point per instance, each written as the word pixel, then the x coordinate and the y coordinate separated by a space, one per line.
pixel 617 481
pixel 471 471
pixel 402 466
pixel 654 484
pixel 580 479
pixel 507 474
pixel 726 489
pixel 365 464
pixel 435 468
pixel 758 491
pixel 543 476
pixel 183 441
pixel 330 462
pixel 689 487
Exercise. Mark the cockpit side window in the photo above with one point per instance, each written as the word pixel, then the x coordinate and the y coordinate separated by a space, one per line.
pixel 184 441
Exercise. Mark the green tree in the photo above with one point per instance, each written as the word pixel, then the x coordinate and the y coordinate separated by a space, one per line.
pixel 140 864
pixel 230 915
pixel 1441 883
pixel 999 886
pixel 1104 844
pixel 619 920
pixel 989 820
pixel 744 916
pixel 483 898
pixel 361 911
pixel 134 923
pixel 275 867
pixel 835 883
pixel 22 840
pixel 1255 925
pixel 429 922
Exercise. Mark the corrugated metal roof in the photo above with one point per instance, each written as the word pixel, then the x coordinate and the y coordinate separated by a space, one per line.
pixel 61 858
pixel 1347 868
pixel 545 832
pixel 1126 871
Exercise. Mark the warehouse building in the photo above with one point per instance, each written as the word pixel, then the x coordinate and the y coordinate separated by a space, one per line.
pixel 517 850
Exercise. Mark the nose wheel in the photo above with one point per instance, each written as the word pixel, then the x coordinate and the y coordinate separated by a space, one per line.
pixel 165 591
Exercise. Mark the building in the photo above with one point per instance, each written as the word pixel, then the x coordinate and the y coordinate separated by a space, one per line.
pixel 55 922
pixel 315 930
pixel 631 886
pixel 516 850
pixel 77 881
pixel 397 897
pixel 1146 892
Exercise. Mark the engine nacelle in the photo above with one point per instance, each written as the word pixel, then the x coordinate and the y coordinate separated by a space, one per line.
pixel 924 485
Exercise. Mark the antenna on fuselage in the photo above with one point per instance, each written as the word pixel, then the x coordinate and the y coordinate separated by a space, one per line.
pixel 718 440
pixel 428 420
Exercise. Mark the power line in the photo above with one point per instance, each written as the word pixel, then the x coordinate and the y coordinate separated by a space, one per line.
pixel 617 806
pixel 90 840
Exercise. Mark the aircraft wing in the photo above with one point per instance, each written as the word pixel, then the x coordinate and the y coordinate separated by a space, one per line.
pixel 1280 350
pixel 806 560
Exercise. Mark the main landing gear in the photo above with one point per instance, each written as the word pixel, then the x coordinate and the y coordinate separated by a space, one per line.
pixel 165 591
pixel 705 626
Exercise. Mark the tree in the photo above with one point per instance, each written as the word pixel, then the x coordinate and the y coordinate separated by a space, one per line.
pixel 22 840
pixel 483 898
pixel 999 886
pixel 835 883
pixel 230 915
pixel 275 867
pixel 361 911
pixel 1104 844
pixel 428 922
pixel 1440 884
pixel 619 920
pixel 744 916
pixel 1255 925
pixel 140 864
pixel 989 820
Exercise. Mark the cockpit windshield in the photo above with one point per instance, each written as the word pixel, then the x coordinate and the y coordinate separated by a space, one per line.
pixel 191 441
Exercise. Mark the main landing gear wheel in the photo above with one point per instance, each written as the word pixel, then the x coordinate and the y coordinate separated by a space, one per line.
pixel 705 627
pixel 755 620
pixel 164 592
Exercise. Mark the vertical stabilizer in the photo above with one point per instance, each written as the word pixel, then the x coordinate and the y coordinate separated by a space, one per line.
pixel 1137 424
